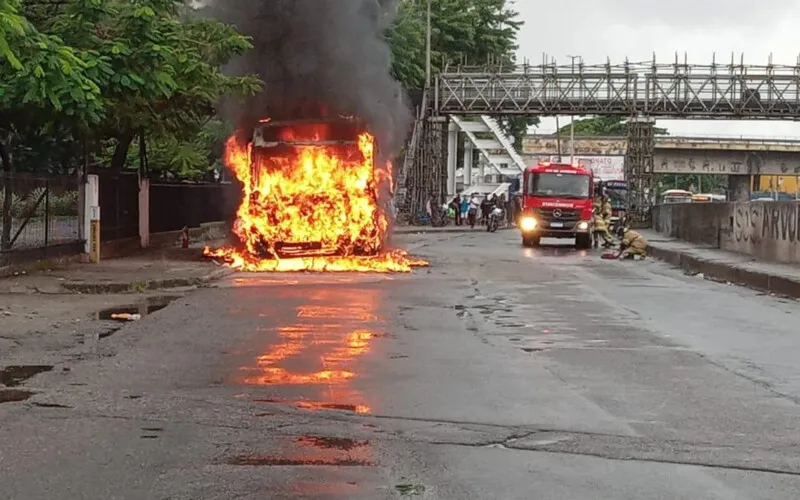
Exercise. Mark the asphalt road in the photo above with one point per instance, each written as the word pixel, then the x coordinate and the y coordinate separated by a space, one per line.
pixel 498 373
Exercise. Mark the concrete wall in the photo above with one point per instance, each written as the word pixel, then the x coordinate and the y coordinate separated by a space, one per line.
pixel 768 231
pixel 701 223
pixel 676 155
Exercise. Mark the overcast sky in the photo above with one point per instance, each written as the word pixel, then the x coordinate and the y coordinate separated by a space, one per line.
pixel 636 28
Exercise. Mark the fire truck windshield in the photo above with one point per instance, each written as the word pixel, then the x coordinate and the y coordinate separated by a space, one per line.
pixel 555 185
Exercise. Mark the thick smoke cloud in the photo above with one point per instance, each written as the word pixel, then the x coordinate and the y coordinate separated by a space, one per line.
pixel 316 55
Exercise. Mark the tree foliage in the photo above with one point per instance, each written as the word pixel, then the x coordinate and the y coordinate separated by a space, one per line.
pixel 612 126
pixel 463 32
pixel 603 126
pixel 165 70
pixel 109 71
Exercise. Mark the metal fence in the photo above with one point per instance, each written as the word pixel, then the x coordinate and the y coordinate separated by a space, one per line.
pixel 175 205
pixel 38 212
pixel 119 204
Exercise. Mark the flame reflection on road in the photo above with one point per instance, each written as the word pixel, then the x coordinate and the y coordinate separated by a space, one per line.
pixel 318 353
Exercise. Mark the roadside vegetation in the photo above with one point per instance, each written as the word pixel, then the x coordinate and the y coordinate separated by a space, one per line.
pixel 123 84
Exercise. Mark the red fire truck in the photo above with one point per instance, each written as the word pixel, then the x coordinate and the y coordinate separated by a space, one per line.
pixel 557 203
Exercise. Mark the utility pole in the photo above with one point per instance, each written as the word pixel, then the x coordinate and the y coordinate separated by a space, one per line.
pixel 558 140
pixel 572 118
pixel 428 49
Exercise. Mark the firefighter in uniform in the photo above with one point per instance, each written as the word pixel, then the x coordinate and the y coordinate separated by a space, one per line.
pixel 600 227
pixel 607 211
pixel 633 245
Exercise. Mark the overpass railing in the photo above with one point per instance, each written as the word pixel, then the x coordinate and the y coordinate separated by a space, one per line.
pixel 656 90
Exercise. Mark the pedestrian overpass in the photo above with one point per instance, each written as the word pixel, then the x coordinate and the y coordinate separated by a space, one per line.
pixel 639 92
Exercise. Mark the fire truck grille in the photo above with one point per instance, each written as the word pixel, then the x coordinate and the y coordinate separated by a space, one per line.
pixel 557 214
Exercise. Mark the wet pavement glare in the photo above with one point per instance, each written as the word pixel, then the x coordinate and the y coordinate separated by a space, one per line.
pixel 308 346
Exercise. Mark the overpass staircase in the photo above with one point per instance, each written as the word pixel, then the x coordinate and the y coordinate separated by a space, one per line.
pixel 495 148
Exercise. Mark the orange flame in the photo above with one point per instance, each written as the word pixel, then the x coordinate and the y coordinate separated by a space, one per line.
pixel 324 196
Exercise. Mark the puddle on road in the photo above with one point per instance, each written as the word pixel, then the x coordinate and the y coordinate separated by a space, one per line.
pixel 410 489
pixel 337 489
pixel 274 461
pixel 317 354
pixel 330 443
pixel 317 405
pixel 52 405
pixel 312 451
pixel 143 308
pixel 14 395
pixel 14 375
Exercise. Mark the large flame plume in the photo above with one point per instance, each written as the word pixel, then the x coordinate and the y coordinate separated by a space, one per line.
pixel 318 194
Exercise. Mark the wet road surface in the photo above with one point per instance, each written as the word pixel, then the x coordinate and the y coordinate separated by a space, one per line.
pixel 497 373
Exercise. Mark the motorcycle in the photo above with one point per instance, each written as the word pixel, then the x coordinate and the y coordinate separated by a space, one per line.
pixel 440 217
pixel 472 216
pixel 495 216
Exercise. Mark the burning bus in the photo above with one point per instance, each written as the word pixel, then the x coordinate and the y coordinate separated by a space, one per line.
pixel 310 199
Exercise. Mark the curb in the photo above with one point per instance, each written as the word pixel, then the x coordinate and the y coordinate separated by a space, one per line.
pixel 730 273
pixel 144 286
pixel 442 230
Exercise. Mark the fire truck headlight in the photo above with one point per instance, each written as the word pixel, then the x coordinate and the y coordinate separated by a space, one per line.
pixel 528 224
pixel 583 225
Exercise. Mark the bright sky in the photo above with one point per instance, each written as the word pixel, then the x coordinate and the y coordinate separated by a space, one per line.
pixel 637 28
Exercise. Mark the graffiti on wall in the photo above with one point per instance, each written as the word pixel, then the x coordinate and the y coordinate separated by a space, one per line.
pixel 539 145
pixel 698 165
pixel 776 221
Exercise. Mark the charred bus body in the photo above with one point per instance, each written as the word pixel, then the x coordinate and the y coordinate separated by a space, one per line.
pixel 285 139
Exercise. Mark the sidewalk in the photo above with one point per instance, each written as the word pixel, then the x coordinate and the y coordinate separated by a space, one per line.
pixel 162 269
pixel 720 265
pixel 447 229
pixel 55 316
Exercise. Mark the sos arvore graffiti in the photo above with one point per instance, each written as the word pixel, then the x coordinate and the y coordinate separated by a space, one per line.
pixel 777 221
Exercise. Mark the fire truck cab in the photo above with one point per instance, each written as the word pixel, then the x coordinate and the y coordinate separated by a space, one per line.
pixel 557 203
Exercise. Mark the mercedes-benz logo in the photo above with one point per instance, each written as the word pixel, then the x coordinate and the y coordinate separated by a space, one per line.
pixel 556 213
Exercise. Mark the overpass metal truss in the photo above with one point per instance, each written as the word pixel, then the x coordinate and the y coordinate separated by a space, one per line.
pixel 687 91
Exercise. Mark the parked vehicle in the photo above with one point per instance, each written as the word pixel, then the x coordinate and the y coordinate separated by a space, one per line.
pixel 557 203
pixel 676 196
pixel 496 217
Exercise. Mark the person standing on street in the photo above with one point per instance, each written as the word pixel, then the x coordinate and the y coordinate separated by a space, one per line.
pixel 464 207
pixel 486 205
pixel 607 211
pixel 600 229
pixel 455 205
pixel 472 214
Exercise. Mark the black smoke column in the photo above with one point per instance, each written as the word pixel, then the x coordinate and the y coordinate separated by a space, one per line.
pixel 318 58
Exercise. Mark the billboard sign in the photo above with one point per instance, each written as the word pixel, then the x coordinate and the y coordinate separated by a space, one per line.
pixel 605 168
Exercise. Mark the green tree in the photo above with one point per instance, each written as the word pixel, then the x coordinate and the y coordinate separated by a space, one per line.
pixel 46 85
pixel 602 126
pixel 468 32
pixel 164 73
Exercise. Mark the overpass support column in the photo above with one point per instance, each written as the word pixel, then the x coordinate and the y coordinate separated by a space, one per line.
pixel 469 153
pixel 639 167
pixel 738 188
pixel 452 153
